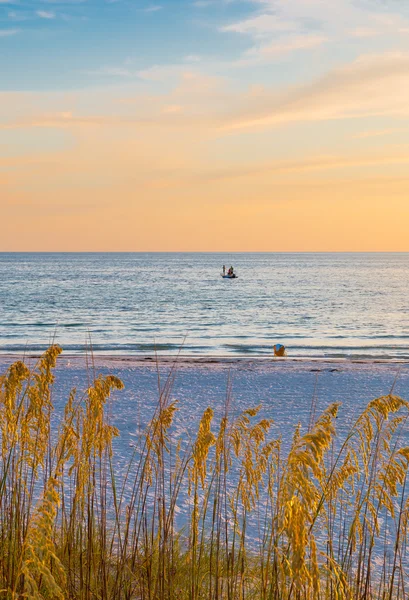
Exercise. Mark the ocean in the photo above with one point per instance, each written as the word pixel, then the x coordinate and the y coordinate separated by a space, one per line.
pixel 318 305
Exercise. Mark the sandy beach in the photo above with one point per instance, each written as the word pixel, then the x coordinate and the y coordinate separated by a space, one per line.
pixel 287 389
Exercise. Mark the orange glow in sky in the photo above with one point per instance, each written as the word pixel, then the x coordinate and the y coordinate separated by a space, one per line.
pixel 284 146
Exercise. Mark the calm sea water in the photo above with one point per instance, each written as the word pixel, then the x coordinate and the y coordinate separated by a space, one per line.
pixel 321 305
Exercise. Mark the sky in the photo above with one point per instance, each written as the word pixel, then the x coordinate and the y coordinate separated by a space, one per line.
pixel 204 125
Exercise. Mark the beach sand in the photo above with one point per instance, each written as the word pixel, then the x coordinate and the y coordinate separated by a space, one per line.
pixel 288 391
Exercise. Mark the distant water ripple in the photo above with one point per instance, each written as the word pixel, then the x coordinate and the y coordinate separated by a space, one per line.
pixel 318 305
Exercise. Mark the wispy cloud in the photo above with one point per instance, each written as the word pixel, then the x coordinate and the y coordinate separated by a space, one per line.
pixel 153 8
pixel 162 72
pixel 46 14
pixel 379 133
pixel 121 71
pixel 267 52
pixel 193 58
pixel 307 165
pixel 278 23
pixel 8 32
pixel 172 109
pixel 13 15
pixel 261 25
pixel 371 85
pixel 203 3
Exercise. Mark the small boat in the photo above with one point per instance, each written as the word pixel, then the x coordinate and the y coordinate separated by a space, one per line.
pixel 229 276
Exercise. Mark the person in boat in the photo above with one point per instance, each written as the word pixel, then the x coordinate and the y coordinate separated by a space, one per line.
pixel 231 272
pixel 224 269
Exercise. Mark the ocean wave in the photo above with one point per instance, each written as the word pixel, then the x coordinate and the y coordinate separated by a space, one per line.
pixel 232 349
pixel 41 325
pixel 328 305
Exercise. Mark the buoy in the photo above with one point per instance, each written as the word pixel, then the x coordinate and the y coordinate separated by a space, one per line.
pixel 279 350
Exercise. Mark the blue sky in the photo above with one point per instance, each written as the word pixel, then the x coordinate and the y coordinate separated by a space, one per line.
pixel 57 44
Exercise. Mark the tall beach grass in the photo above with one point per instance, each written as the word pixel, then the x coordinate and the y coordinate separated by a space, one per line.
pixel 325 520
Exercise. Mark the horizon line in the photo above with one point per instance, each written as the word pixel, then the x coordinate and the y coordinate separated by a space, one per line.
pixel 204 252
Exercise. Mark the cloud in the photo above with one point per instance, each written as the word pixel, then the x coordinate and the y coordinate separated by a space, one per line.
pixel 120 71
pixel 160 73
pixel 65 2
pixel 363 32
pixel 276 49
pixel 379 133
pixel 193 58
pixel 261 25
pixel 45 14
pixel 68 120
pixel 13 15
pixel 371 85
pixel 306 165
pixel 337 15
pixel 163 162
pixel 277 23
pixel 172 109
pixel 202 3
pixel 153 74
pixel 8 32
pixel 152 9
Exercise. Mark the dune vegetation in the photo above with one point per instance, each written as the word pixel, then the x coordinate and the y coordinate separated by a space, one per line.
pixel 325 520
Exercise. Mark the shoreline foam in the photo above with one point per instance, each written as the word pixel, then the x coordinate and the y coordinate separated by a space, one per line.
pixel 185 360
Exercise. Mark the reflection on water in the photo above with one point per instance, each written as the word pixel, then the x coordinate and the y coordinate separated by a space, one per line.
pixel 316 304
